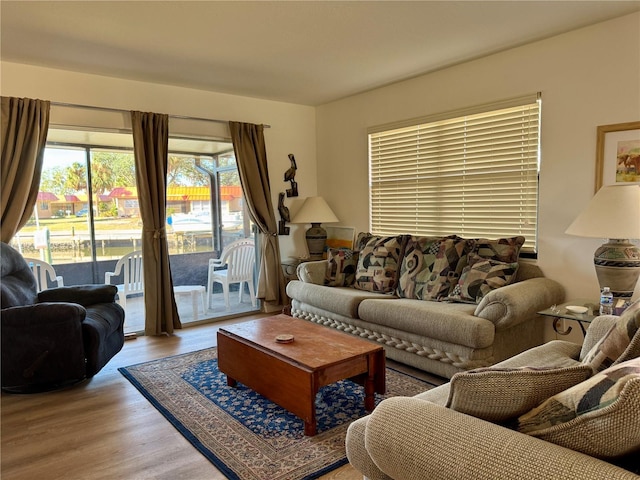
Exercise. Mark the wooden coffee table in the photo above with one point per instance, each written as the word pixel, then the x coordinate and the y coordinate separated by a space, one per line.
pixel 290 374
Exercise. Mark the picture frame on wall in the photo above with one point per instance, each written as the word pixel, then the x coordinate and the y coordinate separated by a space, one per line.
pixel 618 154
pixel 340 237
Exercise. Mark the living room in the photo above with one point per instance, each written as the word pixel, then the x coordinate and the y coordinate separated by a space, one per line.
pixel 588 77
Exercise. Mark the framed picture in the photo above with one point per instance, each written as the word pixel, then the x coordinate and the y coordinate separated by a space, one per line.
pixel 618 154
pixel 340 237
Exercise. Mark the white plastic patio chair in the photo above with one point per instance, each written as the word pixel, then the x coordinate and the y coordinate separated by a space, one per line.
pixel 41 270
pixel 240 259
pixel 133 282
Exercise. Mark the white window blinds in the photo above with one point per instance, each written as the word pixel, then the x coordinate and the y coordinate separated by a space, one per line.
pixel 475 174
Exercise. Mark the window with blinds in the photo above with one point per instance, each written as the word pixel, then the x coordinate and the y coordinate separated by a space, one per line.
pixel 472 173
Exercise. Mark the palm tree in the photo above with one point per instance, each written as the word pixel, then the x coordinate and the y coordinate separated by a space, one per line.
pixel 76 178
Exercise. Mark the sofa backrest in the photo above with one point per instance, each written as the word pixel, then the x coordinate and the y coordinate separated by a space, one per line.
pixel 17 284
pixel 527 270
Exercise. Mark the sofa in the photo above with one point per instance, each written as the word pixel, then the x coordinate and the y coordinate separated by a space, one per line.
pixel 559 410
pixel 440 304
pixel 57 337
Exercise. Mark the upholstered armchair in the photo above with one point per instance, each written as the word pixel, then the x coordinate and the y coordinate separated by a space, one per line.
pixel 56 337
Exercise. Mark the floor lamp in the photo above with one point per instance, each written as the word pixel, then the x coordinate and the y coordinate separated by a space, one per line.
pixel 315 211
pixel 613 213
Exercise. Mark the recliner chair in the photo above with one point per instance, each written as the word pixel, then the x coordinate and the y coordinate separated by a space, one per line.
pixel 56 337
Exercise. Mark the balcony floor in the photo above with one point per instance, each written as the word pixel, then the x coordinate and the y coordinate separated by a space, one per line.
pixel 134 312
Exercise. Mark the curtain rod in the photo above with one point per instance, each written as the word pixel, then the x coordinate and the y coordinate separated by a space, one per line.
pixel 108 109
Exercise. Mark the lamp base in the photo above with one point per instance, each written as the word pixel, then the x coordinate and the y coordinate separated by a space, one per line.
pixel 617 265
pixel 316 238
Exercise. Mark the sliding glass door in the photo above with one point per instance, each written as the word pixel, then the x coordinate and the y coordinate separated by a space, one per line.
pixel 87 216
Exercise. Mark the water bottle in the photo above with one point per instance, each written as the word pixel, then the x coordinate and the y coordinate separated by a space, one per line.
pixel 606 301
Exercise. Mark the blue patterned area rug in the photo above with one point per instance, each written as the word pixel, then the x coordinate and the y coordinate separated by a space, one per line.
pixel 245 435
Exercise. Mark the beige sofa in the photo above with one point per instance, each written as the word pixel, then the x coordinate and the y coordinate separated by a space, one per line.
pixel 438 337
pixel 420 438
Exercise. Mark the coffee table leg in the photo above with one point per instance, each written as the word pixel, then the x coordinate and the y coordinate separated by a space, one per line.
pixel 369 397
pixel 310 428
pixel 231 382
pixel 374 381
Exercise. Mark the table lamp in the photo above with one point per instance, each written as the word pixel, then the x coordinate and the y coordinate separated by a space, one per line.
pixel 315 211
pixel 613 213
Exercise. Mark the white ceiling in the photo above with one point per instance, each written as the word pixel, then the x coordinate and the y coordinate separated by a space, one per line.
pixel 306 52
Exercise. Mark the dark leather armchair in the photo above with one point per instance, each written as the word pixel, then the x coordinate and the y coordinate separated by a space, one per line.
pixel 56 337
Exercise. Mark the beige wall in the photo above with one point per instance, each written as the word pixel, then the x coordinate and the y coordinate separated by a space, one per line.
pixel 292 126
pixel 588 77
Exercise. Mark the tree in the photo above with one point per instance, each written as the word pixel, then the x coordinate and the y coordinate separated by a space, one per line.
pixel 76 178
pixel 230 178
pixel 114 169
pixel 182 171
pixel 52 180
pixel 101 177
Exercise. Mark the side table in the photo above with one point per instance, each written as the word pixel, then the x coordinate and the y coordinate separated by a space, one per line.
pixel 194 291
pixel 289 268
pixel 560 312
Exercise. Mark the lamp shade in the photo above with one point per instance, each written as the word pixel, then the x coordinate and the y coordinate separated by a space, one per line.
pixel 314 210
pixel 614 212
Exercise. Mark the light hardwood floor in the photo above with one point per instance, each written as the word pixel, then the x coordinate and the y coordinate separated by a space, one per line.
pixel 105 429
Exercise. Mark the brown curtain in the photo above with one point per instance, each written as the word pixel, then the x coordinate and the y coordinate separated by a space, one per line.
pixel 25 123
pixel 150 146
pixel 251 156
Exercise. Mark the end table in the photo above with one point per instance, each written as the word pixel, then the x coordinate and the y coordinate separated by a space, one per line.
pixel 560 312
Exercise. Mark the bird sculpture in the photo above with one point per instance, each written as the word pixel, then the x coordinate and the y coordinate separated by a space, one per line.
pixel 283 209
pixel 290 174
pixel 284 215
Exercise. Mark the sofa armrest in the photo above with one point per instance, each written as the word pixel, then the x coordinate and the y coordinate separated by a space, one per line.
pixel 412 438
pixel 598 328
pixel 85 295
pixel 42 314
pixel 512 304
pixel 312 272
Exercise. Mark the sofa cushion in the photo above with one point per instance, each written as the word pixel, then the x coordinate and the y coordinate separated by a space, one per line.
pixel 611 347
pixel 453 323
pixel 480 276
pixel 481 392
pixel 431 267
pixel 419 255
pixel 501 249
pixel 379 264
pixel 598 417
pixel 341 300
pixel 341 267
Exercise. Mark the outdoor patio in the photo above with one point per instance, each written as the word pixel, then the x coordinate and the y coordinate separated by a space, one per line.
pixel 134 313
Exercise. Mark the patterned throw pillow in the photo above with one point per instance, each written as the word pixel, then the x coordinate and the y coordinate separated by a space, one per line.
pixel 362 239
pixel 610 348
pixel 431 266
pixel 379 264
pixel 480 276
pixel 598 417
pixel 502 249
pixel 341 267
pixel 481 392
